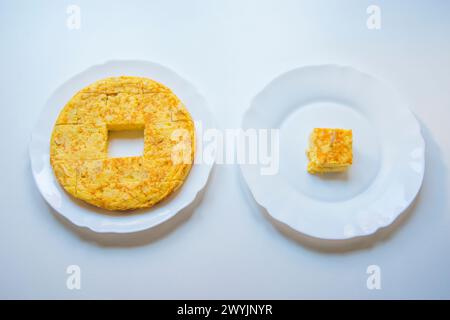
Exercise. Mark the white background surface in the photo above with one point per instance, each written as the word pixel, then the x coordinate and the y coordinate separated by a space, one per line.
pixel 224 246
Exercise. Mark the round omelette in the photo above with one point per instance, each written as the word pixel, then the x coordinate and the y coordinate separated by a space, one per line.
pixel 79 143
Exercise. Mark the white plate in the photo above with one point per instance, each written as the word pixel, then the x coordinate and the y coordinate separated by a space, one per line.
pixel 388 166
pixel 99 220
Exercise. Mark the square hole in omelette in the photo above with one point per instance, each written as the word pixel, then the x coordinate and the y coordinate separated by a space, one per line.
pixel 125 143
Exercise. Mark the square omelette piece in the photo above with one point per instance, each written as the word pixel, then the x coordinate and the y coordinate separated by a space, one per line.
pixel 151 86
pixel 83 108
pixel 125 112
pixel 163 107
pixel 170 139
pixel 330 150
pixel 110 183
pixel 79 142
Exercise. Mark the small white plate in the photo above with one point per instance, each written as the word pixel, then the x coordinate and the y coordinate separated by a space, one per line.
pixel 388 164
pixel 99 220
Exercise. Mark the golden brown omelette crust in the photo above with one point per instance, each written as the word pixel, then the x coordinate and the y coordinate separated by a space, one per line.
pixel 78 147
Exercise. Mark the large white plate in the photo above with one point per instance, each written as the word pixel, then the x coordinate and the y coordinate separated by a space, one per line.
pixel 96 219
pixel 388 147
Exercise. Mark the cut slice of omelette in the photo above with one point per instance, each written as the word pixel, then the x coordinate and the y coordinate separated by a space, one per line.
pixel 330 150
pixel 78 147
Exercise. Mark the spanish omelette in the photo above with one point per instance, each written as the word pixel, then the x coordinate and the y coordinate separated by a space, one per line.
pixel 330 150
pixel 79 143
